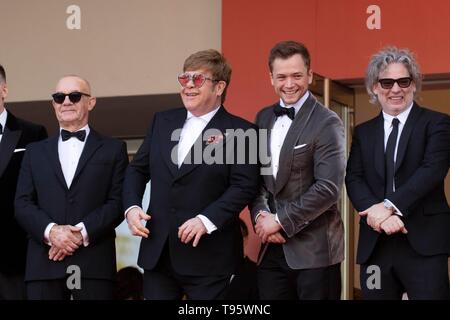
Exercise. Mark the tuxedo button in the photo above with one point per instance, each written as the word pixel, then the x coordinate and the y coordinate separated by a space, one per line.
pixel 71 200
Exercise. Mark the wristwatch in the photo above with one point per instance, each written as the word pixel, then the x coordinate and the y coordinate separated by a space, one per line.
pixel 388 205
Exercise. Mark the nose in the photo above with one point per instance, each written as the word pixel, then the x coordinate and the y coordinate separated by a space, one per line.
pixel 289 81
pixel 190 83
pixel 396 87
pixel 67 101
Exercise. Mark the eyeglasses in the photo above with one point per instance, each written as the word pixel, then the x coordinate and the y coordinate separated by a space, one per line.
pixel 388 83
pixel 74 97
pixel 198 79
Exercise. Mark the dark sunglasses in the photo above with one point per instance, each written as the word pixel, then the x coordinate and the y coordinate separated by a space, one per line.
pixel 388 83
pixel 74 97
pixel 198 79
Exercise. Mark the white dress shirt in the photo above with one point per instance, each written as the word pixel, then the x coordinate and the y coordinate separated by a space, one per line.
pixel 69 152
pixel 402 117
pixel 279 131
pixel 192 128
pixel 3 117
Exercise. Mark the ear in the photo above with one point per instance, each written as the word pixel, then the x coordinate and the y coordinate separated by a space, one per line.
pixel 92 102
pixel 310 76
pixel 271 78
pixel 4 91
pixel 375 88
pixel 221 85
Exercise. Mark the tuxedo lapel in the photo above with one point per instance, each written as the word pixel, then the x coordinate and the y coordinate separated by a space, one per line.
pixel 51 148
pixel 378 148
pixel 406 133
pixel 298 125
pixel 169 141
pixel 93 142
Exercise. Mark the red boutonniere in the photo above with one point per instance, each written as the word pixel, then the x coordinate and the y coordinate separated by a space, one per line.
pixel 214 139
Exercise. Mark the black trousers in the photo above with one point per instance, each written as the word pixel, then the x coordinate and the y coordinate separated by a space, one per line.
pixel 277 281
pixel 401 269
pixel 90 289
pixel 164 283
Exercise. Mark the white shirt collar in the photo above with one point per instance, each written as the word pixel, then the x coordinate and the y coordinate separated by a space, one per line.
pixel 296 105
pixel 206 117
pixel 86 127
pixel 402 117
pixel 3 117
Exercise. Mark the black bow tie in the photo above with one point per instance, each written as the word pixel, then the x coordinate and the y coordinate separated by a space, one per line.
pixel 1 129
pixel 66 135
pixel 279 111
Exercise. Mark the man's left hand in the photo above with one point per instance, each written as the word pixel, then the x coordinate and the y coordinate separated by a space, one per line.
pixel 376 214
pixel 191 229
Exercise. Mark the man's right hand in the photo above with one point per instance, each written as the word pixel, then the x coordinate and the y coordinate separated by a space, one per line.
pixel 134 217
pixel 393 224
pixel 276 238
pixel 65 237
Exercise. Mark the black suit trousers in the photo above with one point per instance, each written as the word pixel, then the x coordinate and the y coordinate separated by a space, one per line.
pixel 164 283
pixel 402 269
pixel 277 281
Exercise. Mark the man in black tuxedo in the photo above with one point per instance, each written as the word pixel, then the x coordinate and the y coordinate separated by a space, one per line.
pixel 395 179
pixel 15 135
pixel 69 201
pixel 192 242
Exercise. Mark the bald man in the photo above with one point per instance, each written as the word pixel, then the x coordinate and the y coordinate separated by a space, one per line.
pixel 68 200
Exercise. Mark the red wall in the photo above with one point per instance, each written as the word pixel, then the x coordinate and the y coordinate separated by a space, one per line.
pixel 335 33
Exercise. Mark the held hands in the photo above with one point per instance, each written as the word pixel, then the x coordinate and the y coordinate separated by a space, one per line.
pixel 134 217
pixel 192 229
pixel 382 219
pixel 376 214
pixel 268 229
pixel 65 239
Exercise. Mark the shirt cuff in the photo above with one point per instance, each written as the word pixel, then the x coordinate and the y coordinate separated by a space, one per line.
pixel 259 213
pixel 128 210
pixel 83 233
pixel 210 227
pixel 47 233
pixel 396 211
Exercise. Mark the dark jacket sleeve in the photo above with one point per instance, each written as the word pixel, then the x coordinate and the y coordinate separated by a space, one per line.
pixel 32 219
pixel 110 214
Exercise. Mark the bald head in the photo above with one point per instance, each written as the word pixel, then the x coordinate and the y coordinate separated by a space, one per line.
pixel 71 81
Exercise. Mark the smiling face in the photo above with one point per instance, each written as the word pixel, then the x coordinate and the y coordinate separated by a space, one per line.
pixel 200 101
pixel 290 78
pixel 395 100
pixel 73 116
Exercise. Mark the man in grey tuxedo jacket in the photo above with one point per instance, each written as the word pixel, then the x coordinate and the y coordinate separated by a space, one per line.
pixel 295 214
